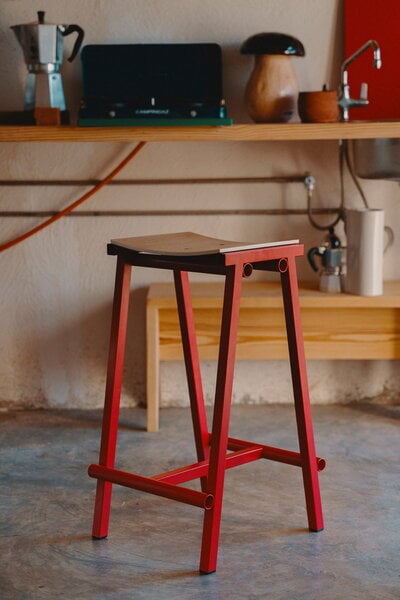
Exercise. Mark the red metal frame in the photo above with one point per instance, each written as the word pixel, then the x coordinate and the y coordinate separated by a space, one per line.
pixel 301 396
pixel 192 364
pixel 112 395
pixel 216 452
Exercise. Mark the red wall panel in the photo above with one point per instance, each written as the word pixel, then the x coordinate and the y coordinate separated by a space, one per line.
pixel 379 20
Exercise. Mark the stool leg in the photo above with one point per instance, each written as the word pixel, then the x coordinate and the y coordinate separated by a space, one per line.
pixel 301 396
pixel 112 395
pixel 220 427
pixel 192 364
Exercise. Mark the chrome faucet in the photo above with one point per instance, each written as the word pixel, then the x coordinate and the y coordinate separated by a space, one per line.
pixel 345 100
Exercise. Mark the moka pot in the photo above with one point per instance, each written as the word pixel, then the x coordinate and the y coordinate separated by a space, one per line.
pixel 43 47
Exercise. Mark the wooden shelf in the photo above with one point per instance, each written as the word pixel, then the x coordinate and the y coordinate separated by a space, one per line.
pixel 269 295
pixel 335 326
pixel 239 133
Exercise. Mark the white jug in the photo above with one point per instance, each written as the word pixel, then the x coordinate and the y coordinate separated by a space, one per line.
pixel 364 263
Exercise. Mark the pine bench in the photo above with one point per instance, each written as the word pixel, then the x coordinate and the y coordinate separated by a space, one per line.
pixel 335 326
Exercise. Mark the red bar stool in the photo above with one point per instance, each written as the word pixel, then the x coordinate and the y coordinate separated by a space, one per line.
pixel 216 451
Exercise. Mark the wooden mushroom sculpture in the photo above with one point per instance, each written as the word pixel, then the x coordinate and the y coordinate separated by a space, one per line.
pixel 272 90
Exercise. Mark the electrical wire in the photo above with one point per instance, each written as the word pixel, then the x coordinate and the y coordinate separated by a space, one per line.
pixel 78 202
pixel 344 160
pixel 313 221
pixel 340 210
pixel 345 152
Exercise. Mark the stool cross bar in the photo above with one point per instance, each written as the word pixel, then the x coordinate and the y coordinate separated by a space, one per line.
pixel 216 451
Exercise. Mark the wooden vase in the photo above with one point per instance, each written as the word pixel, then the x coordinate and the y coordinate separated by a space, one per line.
pixel 272 90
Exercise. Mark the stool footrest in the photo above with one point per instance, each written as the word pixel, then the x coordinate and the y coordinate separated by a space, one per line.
pixel 152 486
pixel 277 454
pixel 165 484
pixel 243 452
pixel 200 469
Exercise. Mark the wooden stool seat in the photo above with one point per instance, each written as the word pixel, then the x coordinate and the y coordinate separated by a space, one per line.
pixel 216 451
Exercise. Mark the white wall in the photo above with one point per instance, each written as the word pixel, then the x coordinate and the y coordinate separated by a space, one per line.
pixel 57 286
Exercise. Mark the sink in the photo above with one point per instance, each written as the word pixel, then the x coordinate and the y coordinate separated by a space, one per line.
pixel 377 158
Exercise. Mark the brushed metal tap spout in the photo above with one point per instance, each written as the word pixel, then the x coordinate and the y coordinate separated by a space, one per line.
pixel 370 44
pixel 345 100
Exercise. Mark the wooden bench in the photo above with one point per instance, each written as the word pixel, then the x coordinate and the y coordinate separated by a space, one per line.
pixel 335 326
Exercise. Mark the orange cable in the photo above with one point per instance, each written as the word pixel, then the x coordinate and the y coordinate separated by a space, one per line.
pixel 75 204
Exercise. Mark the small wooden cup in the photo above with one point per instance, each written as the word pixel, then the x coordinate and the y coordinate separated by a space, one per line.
pixel 318 107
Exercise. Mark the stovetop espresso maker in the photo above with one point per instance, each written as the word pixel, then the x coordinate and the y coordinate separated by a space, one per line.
pixel 331 254
pixel 43 47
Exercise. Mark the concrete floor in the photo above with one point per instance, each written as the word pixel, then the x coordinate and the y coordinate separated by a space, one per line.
pixel 46 501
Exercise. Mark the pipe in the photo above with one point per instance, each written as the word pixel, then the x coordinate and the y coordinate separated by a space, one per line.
pixel 169 181
pixel 170 213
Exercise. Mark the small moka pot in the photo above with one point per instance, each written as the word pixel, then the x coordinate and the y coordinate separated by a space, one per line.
pixel 331 255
